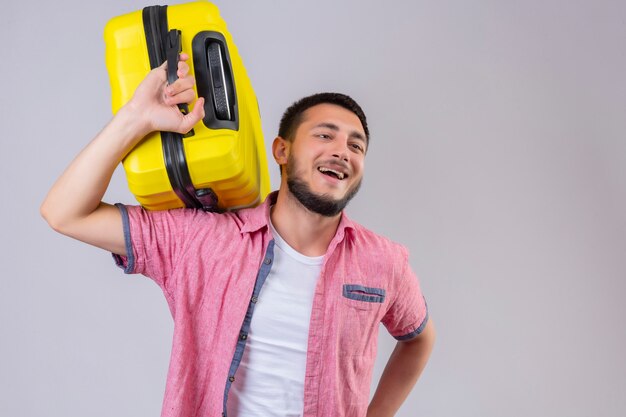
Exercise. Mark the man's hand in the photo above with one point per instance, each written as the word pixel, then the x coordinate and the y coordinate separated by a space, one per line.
pixel 155 102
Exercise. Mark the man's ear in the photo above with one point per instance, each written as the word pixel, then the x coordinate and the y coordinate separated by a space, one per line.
pixel 280 150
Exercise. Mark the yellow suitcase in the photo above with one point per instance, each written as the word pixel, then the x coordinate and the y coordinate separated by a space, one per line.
pixel 219 165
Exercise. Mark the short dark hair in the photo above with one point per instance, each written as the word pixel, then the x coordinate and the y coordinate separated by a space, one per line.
pixel 293 115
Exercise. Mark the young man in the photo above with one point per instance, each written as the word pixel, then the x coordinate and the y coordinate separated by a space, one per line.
pixel 276 308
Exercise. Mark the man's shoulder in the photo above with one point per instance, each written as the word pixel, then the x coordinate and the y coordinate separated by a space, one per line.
pixel 375 252
pixel 366 237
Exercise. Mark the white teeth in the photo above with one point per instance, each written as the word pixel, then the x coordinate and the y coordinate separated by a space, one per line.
pixel 339 175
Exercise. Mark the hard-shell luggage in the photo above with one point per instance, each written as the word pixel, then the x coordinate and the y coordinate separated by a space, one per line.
pixel 221 163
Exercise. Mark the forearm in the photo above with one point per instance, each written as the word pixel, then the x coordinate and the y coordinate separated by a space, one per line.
pixel 79 190
pixel 402 371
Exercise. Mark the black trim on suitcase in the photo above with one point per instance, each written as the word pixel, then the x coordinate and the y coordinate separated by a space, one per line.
pixel 152 24
pixel 174 157
pixel 160 41
pixel 214 76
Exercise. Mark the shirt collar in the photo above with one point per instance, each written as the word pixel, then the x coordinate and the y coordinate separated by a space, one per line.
pixel 257 218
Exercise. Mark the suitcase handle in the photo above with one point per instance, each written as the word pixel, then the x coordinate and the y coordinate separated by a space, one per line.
pixel 173 48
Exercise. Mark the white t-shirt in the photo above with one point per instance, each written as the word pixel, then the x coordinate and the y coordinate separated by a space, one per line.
pixel 270 377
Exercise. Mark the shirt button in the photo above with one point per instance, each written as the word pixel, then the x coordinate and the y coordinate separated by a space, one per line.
pixel 267 261
pixel 254 299
pixel 231 379
pixel 243 336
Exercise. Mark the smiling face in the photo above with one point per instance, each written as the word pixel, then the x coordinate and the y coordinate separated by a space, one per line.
pixel 324 162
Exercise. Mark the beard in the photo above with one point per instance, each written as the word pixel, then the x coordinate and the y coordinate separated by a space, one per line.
pixel 322 204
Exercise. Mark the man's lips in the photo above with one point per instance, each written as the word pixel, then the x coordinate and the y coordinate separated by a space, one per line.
pixel 333 172
pixel 335 169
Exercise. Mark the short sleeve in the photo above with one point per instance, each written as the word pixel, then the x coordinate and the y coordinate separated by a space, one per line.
pixel 154 241
pixel 408 313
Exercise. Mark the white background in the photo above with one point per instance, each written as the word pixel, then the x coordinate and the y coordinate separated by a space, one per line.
pixel 498 156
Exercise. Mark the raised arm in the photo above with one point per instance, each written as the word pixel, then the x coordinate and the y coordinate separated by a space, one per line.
pixel 73 205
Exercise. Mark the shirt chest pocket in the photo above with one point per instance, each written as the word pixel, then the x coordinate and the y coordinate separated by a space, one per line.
pixel 362 297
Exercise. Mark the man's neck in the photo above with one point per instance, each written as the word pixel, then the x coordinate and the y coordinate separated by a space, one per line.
pixel 307 232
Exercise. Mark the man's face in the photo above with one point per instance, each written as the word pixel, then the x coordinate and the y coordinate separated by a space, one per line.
pixel 326 158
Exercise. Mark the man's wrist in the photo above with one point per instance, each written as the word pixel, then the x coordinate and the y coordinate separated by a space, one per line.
pixel 131 124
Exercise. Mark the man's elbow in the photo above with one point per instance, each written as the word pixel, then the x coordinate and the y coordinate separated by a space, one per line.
pixel 45 212
pixel 53 217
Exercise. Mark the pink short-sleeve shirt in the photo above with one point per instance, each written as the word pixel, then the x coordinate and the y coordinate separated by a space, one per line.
pixel 211 268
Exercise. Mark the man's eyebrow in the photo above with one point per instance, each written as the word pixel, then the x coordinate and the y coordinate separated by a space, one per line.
pixel 327 125
pixel 357 135
pixel 354 134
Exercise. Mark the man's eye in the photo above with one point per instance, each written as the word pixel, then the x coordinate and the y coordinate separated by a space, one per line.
pixel 357 147
pixel 323 136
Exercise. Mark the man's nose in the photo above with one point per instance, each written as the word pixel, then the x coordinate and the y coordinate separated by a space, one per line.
pixel 341 149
